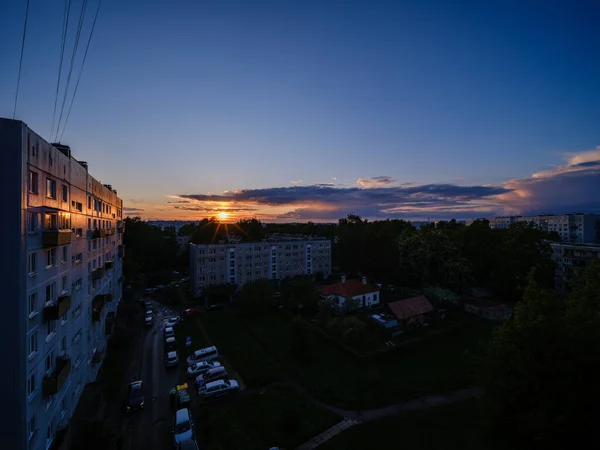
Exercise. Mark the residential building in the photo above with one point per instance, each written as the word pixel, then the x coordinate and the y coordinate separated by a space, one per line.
pixel 574 228
pixel 361 293
pixel 277 257
pixel 182 242
pixel 411 311
pixel 571 260
pixel 65 246
pixel 488 309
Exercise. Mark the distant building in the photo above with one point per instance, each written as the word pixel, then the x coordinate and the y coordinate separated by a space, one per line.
pixel 174 224
pixel 362 293
pixel 571 260
pixel 411 310
pixel 418 224
pixel 573 228
pixel 63 276
pixel 488 309
pixel 182 242
pixel 274 258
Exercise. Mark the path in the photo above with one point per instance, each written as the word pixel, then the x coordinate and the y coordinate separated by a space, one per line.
pixel 328 434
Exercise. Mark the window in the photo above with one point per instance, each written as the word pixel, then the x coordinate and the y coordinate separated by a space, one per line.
pixel 65 254
pixel 33 344
pixel 50 188
pixel 32 263
pixel 65 193
pixel 65 221
pixel 50 221
pixel 33 222
pixel 51 257
pixel 32 304
pixel 89 224
pixel 78 206
pixel 50 292
pixel 31 385
pixel 32 424
pixel 50 330
pixel 89 202
pixel 79 232
pixel 78 284
pixel 32 184
pixel 65 285
pixel 50 432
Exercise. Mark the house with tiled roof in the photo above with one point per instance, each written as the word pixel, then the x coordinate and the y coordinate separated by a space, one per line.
pixel 362 294
pixel 411 310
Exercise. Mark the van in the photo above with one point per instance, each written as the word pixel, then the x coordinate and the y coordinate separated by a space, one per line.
pixel 214 374
pixel 170 344
pixel 204 354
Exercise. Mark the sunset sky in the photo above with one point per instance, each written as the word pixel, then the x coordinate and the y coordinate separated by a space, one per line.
pixel 310 110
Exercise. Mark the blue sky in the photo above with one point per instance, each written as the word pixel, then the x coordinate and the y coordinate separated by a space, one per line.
pixel 181 100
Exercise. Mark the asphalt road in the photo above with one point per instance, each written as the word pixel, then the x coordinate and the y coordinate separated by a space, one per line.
pixel 150 428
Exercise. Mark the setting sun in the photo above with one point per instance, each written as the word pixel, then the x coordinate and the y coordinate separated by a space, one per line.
pixel 223 215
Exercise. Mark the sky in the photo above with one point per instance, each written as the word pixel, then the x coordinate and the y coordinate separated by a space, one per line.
pixel 311 110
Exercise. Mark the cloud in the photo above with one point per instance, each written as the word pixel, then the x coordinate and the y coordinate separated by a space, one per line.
pixel 296 182
pixel 382 180
pixel 135 200
pixel 131 210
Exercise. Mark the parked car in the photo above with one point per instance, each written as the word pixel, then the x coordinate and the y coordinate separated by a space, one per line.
pixel 148 321
pixel 214 306
pixel 183 427
pixel 192 312
pixel 171 359
pixel 148 304
pixel 214 374
pixel 135 396
pixel 148 290
pixel 159 287
pixel 216 388
pixel 204 354
pixel 190 444
pixel 169 332
pixel 199 368
pixel 170 344
pixel 172 321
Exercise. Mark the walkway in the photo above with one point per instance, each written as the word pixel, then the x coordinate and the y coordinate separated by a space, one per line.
pixel 328 434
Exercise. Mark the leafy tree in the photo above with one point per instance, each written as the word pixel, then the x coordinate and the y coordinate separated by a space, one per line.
pixel 541 368
pixel 300 294
pixel 256 296
pixel 300 341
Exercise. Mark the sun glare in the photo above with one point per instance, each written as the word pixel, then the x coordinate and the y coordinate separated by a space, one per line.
pixel 223 215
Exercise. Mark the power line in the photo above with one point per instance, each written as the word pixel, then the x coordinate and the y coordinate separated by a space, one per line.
pixel 75 46
pixel 81 70
pixel 62 53
pixel 21 60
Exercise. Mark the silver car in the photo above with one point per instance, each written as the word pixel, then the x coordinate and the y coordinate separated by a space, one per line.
pixel 171 359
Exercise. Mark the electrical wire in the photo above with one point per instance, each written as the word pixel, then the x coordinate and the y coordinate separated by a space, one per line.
pixel 75 46
pixel 81 70
pixel 21 59
pixel 60 64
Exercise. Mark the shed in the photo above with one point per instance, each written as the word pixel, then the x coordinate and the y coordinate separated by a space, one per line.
pixel 411 310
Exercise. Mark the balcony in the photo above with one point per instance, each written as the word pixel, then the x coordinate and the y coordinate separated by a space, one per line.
pixel 95 234
pixel 97 355
pixel 109 264
pixel 98 273
pixel 98 307
pixel 54 238
pixel 56 309
pixel 120 251
pixel 53 382
pixel 110 232
pixel 108 298
pixel 109 324
pixel 120 227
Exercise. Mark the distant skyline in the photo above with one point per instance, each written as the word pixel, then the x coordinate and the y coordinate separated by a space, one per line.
pixel 308 110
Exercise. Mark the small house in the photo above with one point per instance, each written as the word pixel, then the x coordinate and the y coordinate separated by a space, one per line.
pixel 412 310
pixel 361 293
pixel 488 309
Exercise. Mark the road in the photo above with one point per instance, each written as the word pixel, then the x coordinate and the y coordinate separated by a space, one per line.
pixel 150 428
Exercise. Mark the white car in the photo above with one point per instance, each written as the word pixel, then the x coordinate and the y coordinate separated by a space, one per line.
pixel 169 332
pixel 183 427
pixel 148 321
pixel 172 321
pixel 216 388
pixel 199 368
pixel 171 359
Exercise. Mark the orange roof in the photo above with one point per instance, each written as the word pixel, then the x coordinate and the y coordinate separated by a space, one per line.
pixel 348 289
pixel 411 307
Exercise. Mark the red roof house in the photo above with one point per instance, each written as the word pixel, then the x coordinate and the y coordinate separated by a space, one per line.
pixel 364 294
pixel 413 309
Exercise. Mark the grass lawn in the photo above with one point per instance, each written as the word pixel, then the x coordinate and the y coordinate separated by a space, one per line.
pixel 275 417
pixel 259 349
pixel 455 426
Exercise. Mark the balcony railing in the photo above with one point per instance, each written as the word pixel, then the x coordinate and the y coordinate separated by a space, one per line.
pixel 97 233
pixel 98 273
pixel 56 309
pixel 55 380
pixel 109 264
pixel 54 238
pixel 120 228
pixel 110 232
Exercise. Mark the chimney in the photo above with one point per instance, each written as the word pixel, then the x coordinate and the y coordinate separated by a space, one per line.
pixel 343 279
pixel 364 280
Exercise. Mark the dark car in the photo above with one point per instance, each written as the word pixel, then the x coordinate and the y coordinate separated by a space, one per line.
pixel 135 396
pixel 190 444
pixel 192 312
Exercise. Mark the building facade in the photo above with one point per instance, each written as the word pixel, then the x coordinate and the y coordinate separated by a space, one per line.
pixel 241 262
pixel 65 281
pixel 573 228
pixel 348 295
pixel 571 261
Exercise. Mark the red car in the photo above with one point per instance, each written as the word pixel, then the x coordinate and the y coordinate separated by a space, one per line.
pixel 191 312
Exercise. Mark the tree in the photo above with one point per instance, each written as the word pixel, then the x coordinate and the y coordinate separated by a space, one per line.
pixel 540 370
pixel 256 296
pixel 300 341
pixel 300 294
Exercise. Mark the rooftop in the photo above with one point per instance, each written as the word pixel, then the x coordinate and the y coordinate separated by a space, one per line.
pixel 348 288
pixel 411 307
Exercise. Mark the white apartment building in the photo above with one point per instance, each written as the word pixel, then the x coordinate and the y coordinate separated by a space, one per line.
pixel 273 258
pixel 571 260
pixel 64 234
pixel 573 228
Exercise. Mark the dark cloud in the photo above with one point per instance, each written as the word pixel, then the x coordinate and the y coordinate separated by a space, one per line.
pixel 132 210
pixel 213 210
pixel 382 180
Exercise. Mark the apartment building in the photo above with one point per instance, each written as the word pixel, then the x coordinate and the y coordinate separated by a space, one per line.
pixel 571 260
pixel 573 228
pixel 64 242
pixel 277 257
